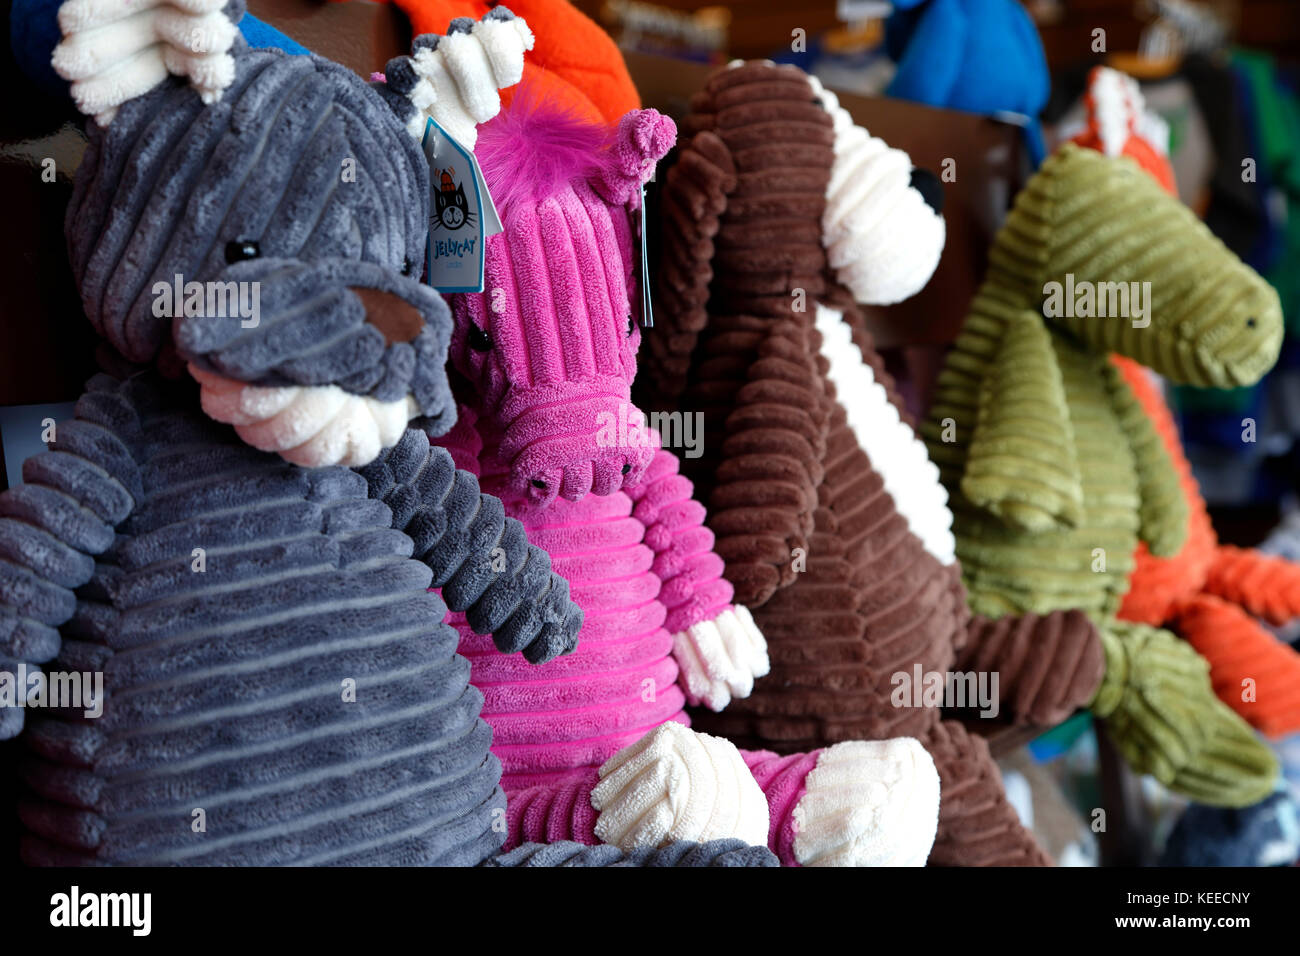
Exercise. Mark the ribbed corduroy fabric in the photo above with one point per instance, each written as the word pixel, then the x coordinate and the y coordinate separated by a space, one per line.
pixel 682 853
pixel 227 671
pixel 553 344
pixel 635 549
pixel 846 594
pixel 1206 592
pixel 1056 471
pixel 550 721
pixel 161 193
pixel 280 686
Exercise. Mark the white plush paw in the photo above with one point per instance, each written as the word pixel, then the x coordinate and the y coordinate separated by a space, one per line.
pixel 676 784
pixel 868 803
pixel 460 74
pixel 115 50
pixel 719 659
pixel 308 425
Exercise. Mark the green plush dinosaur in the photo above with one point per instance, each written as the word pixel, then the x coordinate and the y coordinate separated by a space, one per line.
pixel 1053 469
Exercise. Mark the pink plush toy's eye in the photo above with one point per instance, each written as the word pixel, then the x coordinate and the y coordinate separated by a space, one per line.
pixel 479 340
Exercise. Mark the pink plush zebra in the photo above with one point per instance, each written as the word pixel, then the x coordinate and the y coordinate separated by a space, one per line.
pixel 595 745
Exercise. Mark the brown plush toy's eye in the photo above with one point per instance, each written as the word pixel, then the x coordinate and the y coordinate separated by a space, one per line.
pixel 239 250
pixel 479 340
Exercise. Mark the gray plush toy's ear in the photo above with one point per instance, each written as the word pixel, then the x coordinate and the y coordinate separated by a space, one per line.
pixel 454 79
pixel 116 50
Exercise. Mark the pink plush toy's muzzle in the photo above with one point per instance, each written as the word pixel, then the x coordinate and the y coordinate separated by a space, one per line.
pixel 589 443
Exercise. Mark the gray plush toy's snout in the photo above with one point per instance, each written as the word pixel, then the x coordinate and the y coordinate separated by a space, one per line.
pixel 360 326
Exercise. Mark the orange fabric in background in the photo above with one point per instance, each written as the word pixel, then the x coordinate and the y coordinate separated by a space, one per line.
pixel 1158 584
pixel 574 61
pixel 1206 591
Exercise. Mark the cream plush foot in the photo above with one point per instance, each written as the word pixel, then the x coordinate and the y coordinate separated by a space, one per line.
pixel 676 784
pixel 868 803
pixel 719 659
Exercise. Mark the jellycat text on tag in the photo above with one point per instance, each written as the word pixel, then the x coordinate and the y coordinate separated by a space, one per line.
pixel 461 214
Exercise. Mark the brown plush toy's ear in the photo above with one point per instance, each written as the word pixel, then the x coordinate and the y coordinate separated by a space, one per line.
pixel 765 488
pixel 695 195
pixel 740 272
pixel 1023 465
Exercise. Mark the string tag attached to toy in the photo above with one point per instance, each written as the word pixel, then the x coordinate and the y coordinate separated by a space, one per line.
pixel 461 214
pixel 643 278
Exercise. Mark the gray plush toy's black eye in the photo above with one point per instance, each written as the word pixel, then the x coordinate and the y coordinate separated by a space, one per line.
pixel 479 340
pixel 407 266
pixel 238 250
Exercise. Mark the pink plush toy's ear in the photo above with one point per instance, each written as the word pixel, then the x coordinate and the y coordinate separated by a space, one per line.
pixel 644 137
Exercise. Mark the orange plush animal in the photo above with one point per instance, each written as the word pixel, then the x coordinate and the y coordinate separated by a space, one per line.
pixel 1209 593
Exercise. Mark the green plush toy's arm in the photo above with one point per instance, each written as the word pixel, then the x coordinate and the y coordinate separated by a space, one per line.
pixel 1162 509
pixel 1023 465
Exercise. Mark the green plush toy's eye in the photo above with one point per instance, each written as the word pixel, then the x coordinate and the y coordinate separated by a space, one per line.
pixel 1250 323
pixel 239 250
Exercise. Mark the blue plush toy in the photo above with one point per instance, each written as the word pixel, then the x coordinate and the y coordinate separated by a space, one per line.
pixel 981 56
pixel 1266 834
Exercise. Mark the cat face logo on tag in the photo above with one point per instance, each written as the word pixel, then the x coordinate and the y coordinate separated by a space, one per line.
pixel 461 214
pixel 451 209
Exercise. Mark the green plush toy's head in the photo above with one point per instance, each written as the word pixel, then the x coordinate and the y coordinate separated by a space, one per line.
pixel 1127 268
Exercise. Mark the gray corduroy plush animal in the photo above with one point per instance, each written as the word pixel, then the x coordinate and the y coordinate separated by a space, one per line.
pixel 245 551
pixel 731 853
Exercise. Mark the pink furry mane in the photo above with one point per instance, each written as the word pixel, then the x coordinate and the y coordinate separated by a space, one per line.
pixel 532 149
